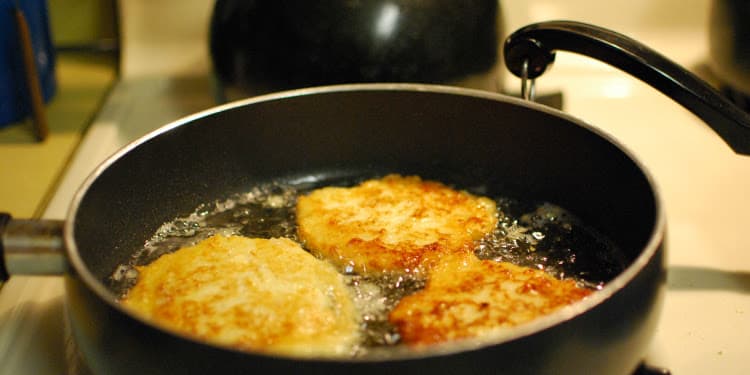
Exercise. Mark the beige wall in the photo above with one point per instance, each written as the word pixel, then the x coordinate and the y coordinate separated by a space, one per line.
pixel 171 35
pixel 622 15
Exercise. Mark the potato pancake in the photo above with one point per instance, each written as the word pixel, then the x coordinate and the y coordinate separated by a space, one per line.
pixel 392 224
pixel 467 297
pixel 266 295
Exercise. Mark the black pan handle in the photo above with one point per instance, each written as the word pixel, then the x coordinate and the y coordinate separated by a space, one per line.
pixel 538 42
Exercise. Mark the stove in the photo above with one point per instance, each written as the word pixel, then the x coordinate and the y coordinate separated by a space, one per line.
pixel 704 185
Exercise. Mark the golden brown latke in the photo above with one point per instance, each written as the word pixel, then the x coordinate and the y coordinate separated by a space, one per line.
pixel 467 297
pixel 265 295
pixel 392 224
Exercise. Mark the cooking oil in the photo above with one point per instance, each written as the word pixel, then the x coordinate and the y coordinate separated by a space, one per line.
pixel 532 234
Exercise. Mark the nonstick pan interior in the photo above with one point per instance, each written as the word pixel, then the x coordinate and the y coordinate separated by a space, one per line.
pixel 486 144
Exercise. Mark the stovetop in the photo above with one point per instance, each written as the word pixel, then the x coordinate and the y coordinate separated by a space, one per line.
pixel 704 187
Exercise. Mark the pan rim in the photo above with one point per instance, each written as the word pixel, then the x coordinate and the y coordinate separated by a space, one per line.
pixel 650 249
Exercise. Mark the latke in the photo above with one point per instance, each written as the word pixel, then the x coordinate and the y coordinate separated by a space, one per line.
pixel 467 297
pixel 392 224
pixel 266 295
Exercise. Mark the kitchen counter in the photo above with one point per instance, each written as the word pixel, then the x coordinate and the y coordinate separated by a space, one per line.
pixel 30 170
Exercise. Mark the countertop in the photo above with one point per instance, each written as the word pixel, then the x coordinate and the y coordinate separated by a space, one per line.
pixel 30 170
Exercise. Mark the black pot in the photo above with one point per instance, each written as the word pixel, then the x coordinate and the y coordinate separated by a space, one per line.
pixel 263 46
pixel 472 139
pixel 729 43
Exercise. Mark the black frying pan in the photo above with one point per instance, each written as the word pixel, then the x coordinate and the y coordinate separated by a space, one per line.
pixel 470 139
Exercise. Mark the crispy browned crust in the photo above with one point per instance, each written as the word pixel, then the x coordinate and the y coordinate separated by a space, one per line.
pixel 466 297
pixel 392 224
pixel 264 295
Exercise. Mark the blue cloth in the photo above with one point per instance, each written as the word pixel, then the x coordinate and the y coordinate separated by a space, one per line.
pixel 15 104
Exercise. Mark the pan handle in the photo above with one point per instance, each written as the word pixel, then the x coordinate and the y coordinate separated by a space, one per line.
pixel 535 45
pixel 4 219
pixel 31 247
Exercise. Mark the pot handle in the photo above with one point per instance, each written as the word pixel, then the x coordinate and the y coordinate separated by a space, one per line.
pixel 31 247
pixel 535 46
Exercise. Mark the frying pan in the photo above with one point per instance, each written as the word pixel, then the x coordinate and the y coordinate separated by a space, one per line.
pixel 476 140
